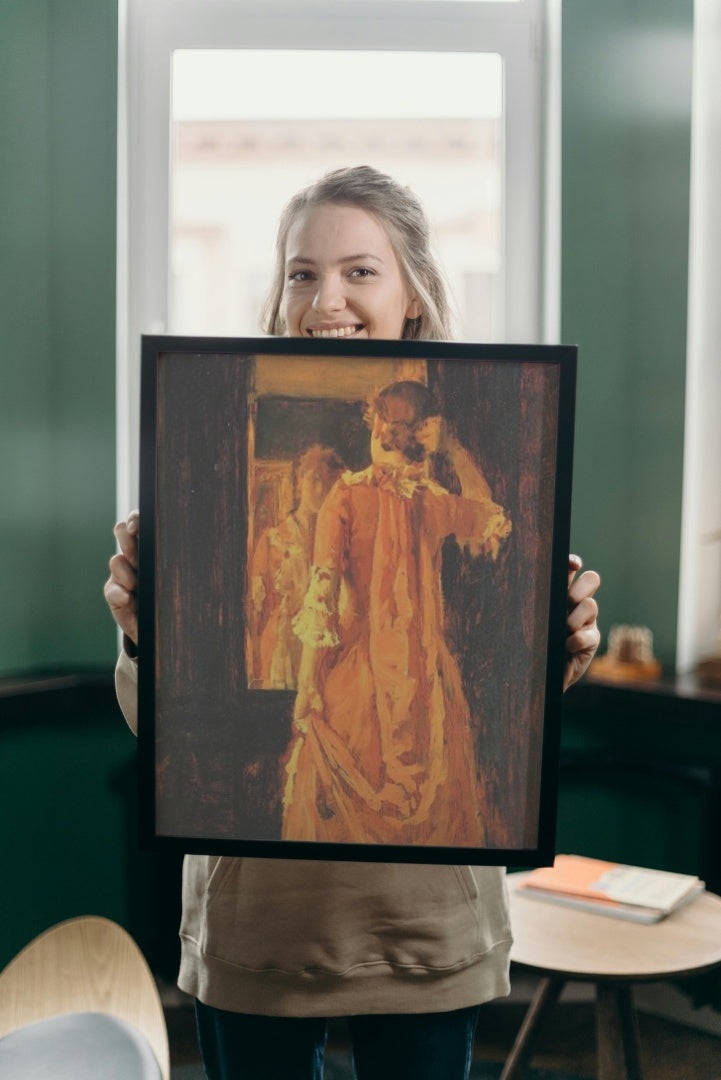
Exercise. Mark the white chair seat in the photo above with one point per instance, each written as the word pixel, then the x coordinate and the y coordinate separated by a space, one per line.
pixel 78 1046
pixel 80 1002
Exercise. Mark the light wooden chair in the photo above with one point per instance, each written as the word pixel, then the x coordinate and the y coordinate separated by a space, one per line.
pixel 89 972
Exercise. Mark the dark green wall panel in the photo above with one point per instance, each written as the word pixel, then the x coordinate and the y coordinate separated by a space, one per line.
pixel 26 398
pixel 68 800
pixel 58 77
pixel 626 145
pixel 62 781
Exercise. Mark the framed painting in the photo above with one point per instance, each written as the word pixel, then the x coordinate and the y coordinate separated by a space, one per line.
pixel 352 597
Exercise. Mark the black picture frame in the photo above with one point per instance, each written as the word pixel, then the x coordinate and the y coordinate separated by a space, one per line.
pixel 223 765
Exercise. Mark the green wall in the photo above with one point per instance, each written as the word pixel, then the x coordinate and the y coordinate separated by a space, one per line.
pixel 626 145
pixel 68 804
pixel 58 72
pixel 641 779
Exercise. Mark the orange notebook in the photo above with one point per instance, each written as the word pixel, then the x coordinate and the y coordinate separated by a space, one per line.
pixel 631 892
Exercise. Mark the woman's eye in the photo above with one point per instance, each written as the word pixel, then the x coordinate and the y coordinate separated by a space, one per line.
pixel 300 276
pixel 362 272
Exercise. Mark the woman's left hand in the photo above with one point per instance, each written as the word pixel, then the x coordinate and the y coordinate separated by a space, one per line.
pixel 583 635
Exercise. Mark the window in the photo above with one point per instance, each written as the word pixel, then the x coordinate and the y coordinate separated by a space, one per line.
pixel 237 156
pixel 227 105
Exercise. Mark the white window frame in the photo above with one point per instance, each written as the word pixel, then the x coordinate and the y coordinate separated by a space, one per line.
pixel 526 34
pixel 699 596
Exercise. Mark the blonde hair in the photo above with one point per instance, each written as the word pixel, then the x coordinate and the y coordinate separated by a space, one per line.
pixel 402 216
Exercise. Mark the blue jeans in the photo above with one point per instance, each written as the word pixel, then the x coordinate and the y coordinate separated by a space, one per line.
pixel 414 1046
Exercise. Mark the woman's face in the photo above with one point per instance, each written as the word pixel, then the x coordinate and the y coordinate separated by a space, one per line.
pixel 342 277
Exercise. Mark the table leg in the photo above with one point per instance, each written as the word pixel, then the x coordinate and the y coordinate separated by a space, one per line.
pixel 544 999
pixel 617 1033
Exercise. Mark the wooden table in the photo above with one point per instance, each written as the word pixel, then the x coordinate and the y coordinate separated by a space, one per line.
pixel 563 944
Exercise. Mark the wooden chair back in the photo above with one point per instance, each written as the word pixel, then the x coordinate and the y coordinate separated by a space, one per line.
pixel 87 964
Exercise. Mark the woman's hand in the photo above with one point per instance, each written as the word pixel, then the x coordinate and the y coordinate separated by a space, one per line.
pixel 583 635
pixel 121 587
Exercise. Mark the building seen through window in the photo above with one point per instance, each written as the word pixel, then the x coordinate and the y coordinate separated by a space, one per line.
pixel 235 164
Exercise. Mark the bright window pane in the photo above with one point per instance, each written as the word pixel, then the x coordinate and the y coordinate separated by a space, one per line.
pixel 455 1
pixel 252 127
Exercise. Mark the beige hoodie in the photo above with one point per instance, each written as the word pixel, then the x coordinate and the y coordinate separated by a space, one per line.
pixel 293 938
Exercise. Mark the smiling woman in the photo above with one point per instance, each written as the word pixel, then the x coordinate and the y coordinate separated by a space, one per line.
pixel 353 260
pixel 331 292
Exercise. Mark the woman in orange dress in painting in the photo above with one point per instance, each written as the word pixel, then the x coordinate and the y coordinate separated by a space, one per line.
pixel 383 746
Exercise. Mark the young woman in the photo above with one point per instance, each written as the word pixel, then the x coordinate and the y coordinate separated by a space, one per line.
pixel 271 948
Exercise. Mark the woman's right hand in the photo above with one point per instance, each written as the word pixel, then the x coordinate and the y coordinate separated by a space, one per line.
pixel 122 585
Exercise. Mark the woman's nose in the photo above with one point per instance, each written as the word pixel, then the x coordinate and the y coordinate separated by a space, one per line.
pixel 329 296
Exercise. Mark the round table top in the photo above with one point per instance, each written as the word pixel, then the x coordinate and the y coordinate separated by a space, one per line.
pixel 559 940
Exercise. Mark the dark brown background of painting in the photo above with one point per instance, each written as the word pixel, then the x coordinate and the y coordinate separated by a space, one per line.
pixel 497 613
pixel 218 746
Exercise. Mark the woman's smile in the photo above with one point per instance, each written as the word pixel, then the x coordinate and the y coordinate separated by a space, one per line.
pixel 335 331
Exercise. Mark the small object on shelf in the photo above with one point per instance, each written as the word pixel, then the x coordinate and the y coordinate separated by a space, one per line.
pixel 629 657
pixel 634 893
pixel 708 670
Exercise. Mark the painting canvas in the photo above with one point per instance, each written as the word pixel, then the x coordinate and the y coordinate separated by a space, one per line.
pixel 353 567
